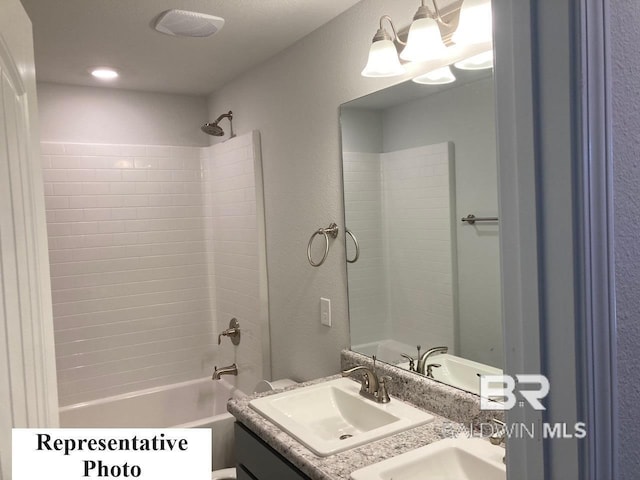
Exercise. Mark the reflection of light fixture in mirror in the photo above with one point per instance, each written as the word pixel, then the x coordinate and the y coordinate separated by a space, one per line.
pixel 424 41
pixel 481 61
pixel 383 57
pixel 440 76
pixel 475 24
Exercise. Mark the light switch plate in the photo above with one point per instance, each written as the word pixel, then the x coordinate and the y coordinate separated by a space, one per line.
pixel 325 311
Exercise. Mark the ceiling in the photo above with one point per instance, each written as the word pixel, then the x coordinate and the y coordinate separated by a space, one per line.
pixel 73 35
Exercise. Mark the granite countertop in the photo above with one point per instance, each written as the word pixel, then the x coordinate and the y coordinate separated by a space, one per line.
pixel 340 465
pixel 455 412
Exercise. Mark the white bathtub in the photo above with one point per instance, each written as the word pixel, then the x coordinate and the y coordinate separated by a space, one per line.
pixel 194 404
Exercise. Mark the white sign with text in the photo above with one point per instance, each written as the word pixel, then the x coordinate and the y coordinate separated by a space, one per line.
pixel 111 453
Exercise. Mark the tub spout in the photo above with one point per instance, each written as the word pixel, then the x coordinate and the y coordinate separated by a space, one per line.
pixel 230 370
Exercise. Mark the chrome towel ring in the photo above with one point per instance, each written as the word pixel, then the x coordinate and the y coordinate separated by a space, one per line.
pixel 331 230
pixel 355 241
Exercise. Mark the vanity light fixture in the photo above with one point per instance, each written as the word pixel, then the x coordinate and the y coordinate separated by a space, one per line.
pixel 439 76
pixel 475 24
pixel 104 73
pixel 424 41
pixel 383 57
pixel 481 61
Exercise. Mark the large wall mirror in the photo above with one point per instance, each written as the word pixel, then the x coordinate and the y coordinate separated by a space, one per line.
pixel 417 159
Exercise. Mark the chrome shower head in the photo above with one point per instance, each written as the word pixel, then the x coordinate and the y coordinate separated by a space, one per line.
pixel 216 130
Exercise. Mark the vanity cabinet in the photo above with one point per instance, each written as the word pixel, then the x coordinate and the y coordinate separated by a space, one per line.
pixel 255 460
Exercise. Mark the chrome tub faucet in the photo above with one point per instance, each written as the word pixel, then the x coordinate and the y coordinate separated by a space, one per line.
pixel 230 370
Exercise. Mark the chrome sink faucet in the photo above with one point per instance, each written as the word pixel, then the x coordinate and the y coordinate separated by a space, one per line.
pixel 230 370
pixel 422 361
pixel 371 386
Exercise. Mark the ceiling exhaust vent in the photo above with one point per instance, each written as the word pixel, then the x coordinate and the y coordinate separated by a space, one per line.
pixel 188 24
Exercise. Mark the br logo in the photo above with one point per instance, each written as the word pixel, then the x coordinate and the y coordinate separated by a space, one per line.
pixel 532 388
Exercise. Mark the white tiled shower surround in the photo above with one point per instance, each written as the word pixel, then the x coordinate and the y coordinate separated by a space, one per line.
pixel 400 205
pixel 151 253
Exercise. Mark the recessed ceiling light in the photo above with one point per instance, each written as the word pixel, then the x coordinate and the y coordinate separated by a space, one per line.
pixel 104 73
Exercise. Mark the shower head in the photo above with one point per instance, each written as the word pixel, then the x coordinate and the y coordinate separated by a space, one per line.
pixel 216 130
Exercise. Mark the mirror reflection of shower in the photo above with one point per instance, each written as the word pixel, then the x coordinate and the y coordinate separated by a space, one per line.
pixel 216 130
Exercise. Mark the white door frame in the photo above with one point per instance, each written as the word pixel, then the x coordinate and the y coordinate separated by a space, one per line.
pixel 27 367
pixel 556 227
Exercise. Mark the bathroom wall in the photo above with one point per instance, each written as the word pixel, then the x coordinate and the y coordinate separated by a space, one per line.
pixel 234 226
pixel 293 99
pixel 625 65
pixel 153 247
pixel 129 271
pixel 418 235
pixel 368 297
pixel 77 114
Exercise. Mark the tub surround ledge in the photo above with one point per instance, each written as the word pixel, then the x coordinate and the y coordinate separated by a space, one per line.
pixel 461 409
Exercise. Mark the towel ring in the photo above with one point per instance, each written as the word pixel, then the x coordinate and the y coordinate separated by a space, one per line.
pixel 355 241
pixel 332 231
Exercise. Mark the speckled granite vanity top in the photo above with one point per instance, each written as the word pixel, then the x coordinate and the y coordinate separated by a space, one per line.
pixel 453 409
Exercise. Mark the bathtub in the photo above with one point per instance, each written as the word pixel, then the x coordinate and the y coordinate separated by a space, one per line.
pixel 193 404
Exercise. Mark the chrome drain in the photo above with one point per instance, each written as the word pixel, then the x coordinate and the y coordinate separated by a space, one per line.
pixel 345 436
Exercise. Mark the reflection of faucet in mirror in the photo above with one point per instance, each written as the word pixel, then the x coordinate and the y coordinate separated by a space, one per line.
pixel 430 368
pixel 422 362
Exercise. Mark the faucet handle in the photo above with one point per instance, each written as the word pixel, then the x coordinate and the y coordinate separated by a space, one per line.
pixel 383 392
pixel 430 368
pixel 233 332
pixel 412 362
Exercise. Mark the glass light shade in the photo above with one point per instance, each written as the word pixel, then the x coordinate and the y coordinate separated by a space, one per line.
pixel 440 76
pixel 475 25
pixel 424 42
pixel 481 61
pixel 383 60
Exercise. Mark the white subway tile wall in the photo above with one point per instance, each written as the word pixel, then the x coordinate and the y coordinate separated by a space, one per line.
pixel 131 243
pixel 419 201
pixel 368 286
pixel 229 171
pixel 399 204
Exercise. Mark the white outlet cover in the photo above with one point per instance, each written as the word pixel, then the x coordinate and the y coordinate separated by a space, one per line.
pixel 325 311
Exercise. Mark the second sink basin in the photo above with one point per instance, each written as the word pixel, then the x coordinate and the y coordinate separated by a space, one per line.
pixel 450 459
pixel 331 417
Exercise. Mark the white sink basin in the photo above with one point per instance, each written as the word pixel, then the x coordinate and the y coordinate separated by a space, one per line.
pixel 331 417
pixel 458 372
pixel 451 459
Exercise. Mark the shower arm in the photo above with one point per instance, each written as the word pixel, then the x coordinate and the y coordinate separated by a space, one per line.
pixel 230 117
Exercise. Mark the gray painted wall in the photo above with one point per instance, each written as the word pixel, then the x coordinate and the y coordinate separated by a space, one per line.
pixel 76 114
pixel 625 38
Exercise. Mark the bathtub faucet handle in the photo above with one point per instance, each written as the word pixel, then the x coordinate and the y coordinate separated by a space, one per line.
pixel 233 332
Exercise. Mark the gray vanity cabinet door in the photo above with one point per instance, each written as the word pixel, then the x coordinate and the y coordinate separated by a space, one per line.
pixel 258 461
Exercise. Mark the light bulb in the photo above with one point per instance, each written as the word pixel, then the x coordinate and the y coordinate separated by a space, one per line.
pixel 383 60
pixel 424 42
pixel 475 25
